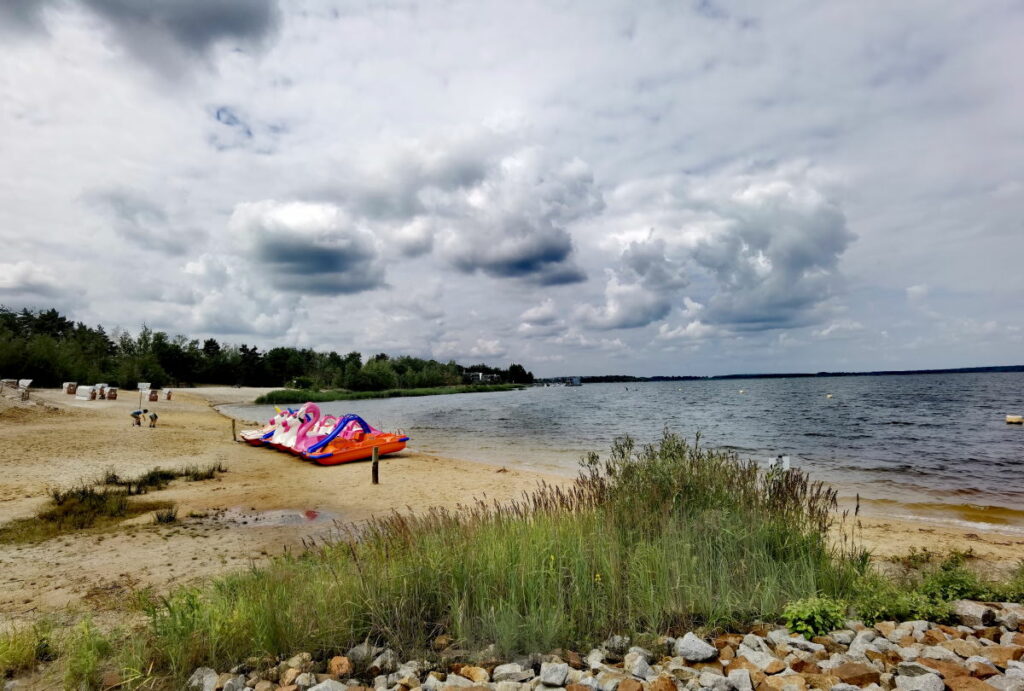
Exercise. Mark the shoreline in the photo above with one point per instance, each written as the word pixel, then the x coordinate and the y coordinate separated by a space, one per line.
pixel 267 503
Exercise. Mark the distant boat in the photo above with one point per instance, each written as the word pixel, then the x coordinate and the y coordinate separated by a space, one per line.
pixel 574 381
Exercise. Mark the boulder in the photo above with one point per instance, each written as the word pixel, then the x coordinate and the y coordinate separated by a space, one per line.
pixel 339 666
pixel 609 680
pixel 980 667
pixel 456 680
pixel 630 685
pixel 843 636
pixel 936 652
pixel 203 679
pixel 306 680
pixel 265 685
pixel 636 664
pixel 947 670
pixel 594 659
pixel 694 649
pixel 234 683
pixel 962 647
pixel 663 683
pixel 514 686
pixel 1004 683
pixel 554 673
pixel 765 662
pixel 913 669
pixel 824 682
pixel 856 673
pixel 783 682
pixel 923 682
pixel 616 646
pixel 384 663
pixel 715 682
pixel 510 672
pixel 973 614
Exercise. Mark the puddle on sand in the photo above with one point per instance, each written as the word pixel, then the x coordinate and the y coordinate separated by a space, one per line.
pixel 277 517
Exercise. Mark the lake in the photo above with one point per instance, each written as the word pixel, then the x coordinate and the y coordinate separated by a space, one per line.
pixel 932 445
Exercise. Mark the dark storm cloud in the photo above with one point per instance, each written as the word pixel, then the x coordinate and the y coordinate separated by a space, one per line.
pixel 138 220
pixel 195 25
pixel 308 248
pixel 161 33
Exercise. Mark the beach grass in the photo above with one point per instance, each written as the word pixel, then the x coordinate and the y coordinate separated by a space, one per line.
pixel 103 504
pixel 655 539
pixel 286 396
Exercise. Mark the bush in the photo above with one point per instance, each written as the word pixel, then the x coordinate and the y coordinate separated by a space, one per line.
pixel 814 616
pixel 953 581
pixel 879 599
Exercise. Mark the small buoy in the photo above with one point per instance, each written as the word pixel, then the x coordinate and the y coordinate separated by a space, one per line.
pixel 1015 419
pixel 743 390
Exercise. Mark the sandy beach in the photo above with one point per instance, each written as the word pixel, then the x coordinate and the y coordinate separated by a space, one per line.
pixel 266 503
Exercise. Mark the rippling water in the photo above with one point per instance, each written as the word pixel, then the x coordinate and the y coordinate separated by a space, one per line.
pixel 934 443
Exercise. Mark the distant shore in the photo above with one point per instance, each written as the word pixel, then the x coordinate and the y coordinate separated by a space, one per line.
pixel 278 396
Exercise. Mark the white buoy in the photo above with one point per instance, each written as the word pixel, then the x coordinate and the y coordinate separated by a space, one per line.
pixel 743 390
pixel 828 395
pixel 1015 419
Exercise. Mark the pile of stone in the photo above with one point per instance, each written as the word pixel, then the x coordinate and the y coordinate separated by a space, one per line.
pixel 982 653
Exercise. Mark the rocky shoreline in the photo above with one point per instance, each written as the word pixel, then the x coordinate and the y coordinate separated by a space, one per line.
pixel 982 653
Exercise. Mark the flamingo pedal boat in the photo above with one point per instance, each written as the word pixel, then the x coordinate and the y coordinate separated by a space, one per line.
pixel 325 440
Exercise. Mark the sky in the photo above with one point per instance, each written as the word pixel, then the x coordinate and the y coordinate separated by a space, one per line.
pixel 584 187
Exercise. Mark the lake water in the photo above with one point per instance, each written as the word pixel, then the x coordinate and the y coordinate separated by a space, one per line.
pixel 918 445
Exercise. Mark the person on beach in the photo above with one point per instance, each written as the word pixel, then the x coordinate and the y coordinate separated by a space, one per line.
pixel 137 417
pixel 152 419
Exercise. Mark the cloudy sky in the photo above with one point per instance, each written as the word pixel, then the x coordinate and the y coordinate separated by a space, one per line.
pixel 690 187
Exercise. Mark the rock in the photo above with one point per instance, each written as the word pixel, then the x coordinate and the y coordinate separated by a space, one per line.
pixel 553 673
pixel 1001 655
pixel 933 637
pixel 329 685
pixel 663 683
pixel 856 673
pixel 908 653
pixel 110 680
pixel 302 662
pixel 967 684
pixel 755 643
pixel 617 646
pixel 694 649
pixel 843 636
pixel 972 613
pixel 962 647
pixel 456 680
pixel 385 663
pixel 709 680
pixel 980 667
pixel 609 681
pixel 1004 683
pixel 1010 615
pixel 636 664
pixel 203 679
pixel 594 659
pixel 947 670
pixel 923 682
pixel 845 687
pixel 630 685
pixel 740 679
pixel 769 664
pixel 265 685
pixel 339 666
pixel 821 681
pixel 289 676
pixel 305 680
pixel 575 687
pixel 913 669
pixel 478 675
pixel 510 672
pixel 935 652
pixel 234 683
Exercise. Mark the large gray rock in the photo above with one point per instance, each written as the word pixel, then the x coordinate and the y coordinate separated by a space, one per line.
pixel 762 660
pixel 756 643
pixel 236 683
pixel 553 673
pixel 203 679
pixel 306 680
pixel 636 664
pixel 329 685
pixel 508 686
pixel 845 687
pixel 617 646
pixel 923 682
pixel 594 659
pixel 937 652
pixel 694 649
pixel 510 672
pixel 1010 615
pixel 609 681
pixel 843 636
pixel 1006 683
pixel 715 682
pixel 972 613
pixel 740 679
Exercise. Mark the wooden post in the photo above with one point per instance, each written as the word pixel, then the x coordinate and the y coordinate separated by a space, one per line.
pixel 233 437
pixel 376 466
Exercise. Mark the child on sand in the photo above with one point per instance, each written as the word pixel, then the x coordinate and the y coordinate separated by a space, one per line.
pixel 137 417
pixel 152 419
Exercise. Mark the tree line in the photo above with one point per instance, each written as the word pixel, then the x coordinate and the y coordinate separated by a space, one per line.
pixel 49 348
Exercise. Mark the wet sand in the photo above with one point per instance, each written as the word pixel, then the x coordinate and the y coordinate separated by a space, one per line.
pixel 267 502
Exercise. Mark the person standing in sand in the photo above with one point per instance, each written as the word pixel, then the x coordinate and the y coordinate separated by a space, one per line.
pixel 137 417
pixel 152 419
